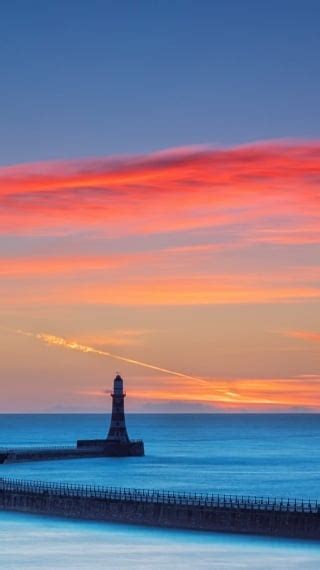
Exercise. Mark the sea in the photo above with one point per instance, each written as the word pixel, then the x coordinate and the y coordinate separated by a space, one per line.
pixel 275 455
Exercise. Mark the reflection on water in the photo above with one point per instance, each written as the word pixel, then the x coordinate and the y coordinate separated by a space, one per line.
pixel 257 454
pixel 32 542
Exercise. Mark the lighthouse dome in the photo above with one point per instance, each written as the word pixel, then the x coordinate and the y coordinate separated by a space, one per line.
pixel 118 385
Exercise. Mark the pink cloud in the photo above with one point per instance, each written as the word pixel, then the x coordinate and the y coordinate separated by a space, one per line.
pixel 168 191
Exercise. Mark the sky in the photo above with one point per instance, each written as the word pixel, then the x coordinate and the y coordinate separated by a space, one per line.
pixel 159 205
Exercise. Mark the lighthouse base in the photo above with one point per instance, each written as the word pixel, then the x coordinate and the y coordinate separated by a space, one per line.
pixel 110 448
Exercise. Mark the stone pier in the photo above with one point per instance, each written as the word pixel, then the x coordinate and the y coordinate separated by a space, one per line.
pixel 219 513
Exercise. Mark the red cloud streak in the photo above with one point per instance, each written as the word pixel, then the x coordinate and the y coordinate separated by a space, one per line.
pixel 167 191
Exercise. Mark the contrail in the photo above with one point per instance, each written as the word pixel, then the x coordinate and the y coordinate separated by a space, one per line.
pixel 50 339
pixel 221 396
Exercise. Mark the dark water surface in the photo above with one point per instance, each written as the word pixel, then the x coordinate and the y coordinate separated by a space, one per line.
pixel 277 455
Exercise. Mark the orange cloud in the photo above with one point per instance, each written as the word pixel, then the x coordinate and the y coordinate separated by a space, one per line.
pixel 244 393
pixel 308 336
pixel 229 394
pixel 33 265
pixel 117 337
pixel 64 264
pixel 172 290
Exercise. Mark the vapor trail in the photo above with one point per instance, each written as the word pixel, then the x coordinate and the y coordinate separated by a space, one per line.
pixel 220 395
pixel 50 339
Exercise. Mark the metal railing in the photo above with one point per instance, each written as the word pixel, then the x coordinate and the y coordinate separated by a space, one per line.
pixel 205 500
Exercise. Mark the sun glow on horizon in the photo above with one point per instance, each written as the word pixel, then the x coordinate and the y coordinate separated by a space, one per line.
pixel 228 394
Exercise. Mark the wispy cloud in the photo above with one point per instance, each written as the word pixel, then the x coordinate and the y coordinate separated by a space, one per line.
pixel 224 204
pixel 308 336
pixel 116 337
pixel 225 394
pixel 173 190
pixel 168 290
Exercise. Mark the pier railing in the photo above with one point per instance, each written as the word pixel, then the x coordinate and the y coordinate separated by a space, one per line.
pixel 206 500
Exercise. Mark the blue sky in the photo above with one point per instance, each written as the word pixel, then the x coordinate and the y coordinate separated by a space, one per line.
pixel 93 78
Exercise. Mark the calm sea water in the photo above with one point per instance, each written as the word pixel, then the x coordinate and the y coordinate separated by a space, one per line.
pixel 275 455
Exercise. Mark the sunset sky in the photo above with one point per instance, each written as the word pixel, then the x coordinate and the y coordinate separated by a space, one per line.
pixel 160 203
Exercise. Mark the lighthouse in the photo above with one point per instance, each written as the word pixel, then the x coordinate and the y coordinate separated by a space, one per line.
pixel 117 442
pixel 118 431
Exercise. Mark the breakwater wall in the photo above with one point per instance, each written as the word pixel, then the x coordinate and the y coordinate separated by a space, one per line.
pixel 219 513
pixel 85 448
pixel 18 455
